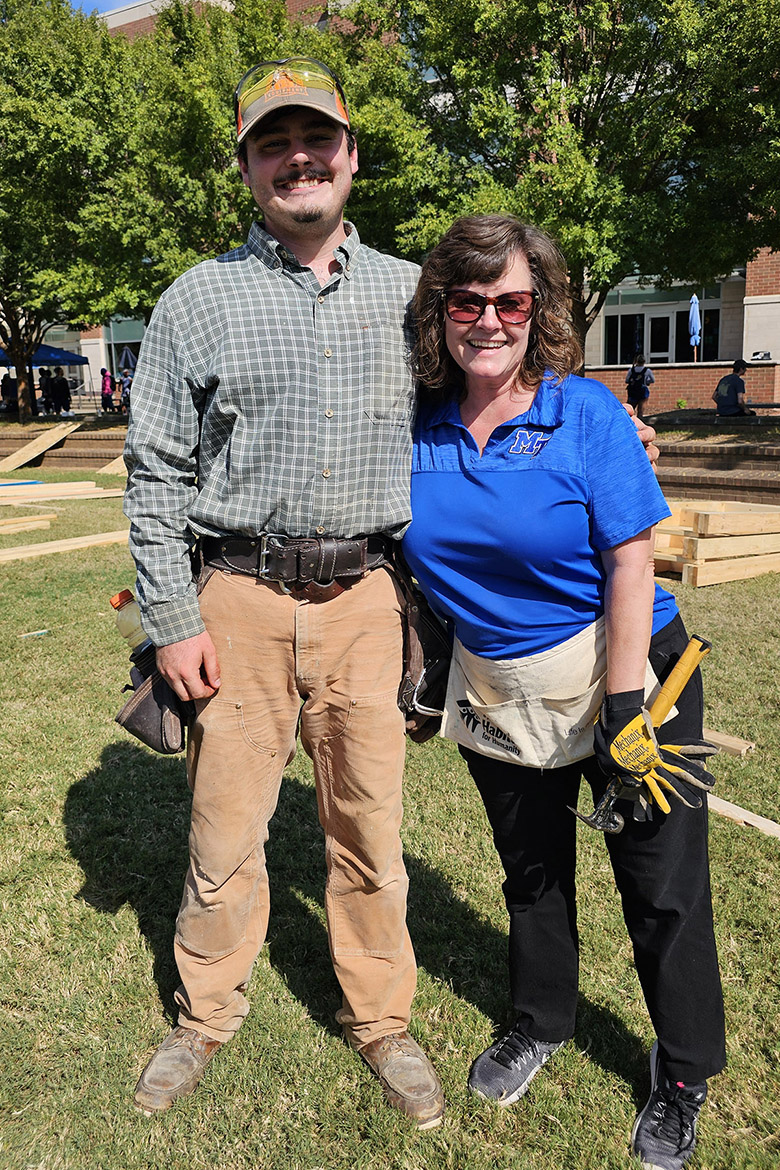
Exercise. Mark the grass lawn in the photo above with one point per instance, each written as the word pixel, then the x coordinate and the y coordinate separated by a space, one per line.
pixel 94 852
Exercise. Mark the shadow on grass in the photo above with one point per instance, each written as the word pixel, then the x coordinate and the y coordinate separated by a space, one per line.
pixel 127 823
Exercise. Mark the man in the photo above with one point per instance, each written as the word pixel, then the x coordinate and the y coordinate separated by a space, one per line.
pixel 273 397
pixel 729 395
pixel 271 417
pixel 60 393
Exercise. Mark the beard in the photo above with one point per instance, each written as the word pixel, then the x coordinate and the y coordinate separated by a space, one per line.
pixel 312 216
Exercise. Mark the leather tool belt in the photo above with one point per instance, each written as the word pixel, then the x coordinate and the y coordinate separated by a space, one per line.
pixel 314 568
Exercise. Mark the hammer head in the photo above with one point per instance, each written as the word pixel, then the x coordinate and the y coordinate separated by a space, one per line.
pixel 604 818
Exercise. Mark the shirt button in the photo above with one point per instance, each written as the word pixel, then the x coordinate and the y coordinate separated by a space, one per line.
pixel 320 300
pixel 328 414
pixel 319 530
pixel 328 352
pixel 326 473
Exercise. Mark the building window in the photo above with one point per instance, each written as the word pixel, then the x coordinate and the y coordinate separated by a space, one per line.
pixel 624 338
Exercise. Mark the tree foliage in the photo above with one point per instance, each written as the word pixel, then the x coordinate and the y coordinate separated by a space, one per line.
pixel 643 136
pixel 59 116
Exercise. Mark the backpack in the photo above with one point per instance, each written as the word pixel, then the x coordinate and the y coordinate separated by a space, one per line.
pixel 636 383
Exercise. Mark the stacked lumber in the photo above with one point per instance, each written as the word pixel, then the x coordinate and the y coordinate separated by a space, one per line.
pixel 26 523
pixel 85 489
pixel 711 541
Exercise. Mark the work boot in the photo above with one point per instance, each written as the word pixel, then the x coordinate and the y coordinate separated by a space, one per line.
pixel 664 1133
pixel 174 1070
pixel 407 1077
pixel 505 1070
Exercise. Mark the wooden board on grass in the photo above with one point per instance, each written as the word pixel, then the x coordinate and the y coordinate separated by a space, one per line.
pixel 13 490
pixel 37 446
pixel 22 524
pixel 715 572
pixel 714 548
pixel 115 467
pixel 732 745
pixel 737 523
pixel 26 551
pixel 53 492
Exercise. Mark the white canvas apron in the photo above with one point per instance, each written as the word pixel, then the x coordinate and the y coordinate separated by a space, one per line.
pixel 537 711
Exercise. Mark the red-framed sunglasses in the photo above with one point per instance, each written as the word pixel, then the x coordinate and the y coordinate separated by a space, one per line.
pixel 512 308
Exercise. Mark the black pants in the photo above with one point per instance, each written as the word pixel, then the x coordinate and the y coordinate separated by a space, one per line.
pixel 661 869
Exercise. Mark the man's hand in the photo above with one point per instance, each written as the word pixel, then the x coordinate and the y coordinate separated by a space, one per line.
pixel 190 667
pixel 646 434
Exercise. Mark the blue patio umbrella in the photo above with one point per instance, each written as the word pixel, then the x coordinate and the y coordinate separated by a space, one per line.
pixel 127 359
pixel 694 324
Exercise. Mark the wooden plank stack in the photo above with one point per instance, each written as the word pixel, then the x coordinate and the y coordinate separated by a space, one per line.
pixel 710 541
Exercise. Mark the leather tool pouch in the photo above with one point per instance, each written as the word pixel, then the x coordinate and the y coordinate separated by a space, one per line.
pixel 427 654
pixel 154 713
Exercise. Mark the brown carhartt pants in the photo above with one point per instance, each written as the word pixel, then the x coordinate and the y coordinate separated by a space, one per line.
pixel 336 666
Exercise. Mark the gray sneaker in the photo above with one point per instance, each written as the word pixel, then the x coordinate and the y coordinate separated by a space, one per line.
pixel 664 1133
pixel 505 1070
pixel 174 1070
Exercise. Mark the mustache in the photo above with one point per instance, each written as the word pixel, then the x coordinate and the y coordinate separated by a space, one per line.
pixel 309 173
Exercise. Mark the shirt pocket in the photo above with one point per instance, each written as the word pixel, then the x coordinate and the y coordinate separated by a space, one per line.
pixel 387 377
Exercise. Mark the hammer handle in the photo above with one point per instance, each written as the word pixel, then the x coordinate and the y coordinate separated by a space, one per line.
pixel 673 687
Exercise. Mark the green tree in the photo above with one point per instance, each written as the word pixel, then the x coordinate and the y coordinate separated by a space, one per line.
pixel 643 136
pixel 60 99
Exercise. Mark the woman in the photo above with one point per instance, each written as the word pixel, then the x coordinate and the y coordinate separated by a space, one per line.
pixel 534 507
pixel 639 379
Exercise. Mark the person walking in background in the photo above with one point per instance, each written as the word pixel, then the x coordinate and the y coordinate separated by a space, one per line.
pixel 106 391
pixel 44 385
pixel 639 379
pixel 125 382
pixel 729 394
pixel 60 393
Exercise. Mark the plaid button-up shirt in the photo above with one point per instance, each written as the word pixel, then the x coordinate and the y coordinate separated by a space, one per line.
pixel 264 402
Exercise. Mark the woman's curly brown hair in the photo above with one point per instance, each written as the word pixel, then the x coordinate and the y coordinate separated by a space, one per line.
pixel 478 249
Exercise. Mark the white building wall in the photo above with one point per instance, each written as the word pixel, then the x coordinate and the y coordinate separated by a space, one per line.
pixel 762 327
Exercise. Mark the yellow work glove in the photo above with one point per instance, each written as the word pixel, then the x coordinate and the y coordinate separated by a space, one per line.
pixel 626 746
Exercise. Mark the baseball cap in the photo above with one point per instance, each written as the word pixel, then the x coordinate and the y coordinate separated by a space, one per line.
pixel 294 81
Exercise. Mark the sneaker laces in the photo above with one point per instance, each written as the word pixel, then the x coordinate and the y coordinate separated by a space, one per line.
pixel 515 1048
pixel 677 1108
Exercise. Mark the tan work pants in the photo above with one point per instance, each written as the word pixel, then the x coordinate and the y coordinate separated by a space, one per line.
pixel 343 659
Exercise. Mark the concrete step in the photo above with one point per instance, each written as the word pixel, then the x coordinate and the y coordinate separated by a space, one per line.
pixel 721 456
pixel 751 486
pixel 87 448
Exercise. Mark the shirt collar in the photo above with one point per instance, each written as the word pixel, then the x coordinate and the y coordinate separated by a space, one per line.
pixel 546 410
pixel 273 254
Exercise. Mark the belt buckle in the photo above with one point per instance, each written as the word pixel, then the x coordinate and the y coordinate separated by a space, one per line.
pixel 265 552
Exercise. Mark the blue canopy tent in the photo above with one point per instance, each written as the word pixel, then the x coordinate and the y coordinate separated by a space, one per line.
pixel 49 355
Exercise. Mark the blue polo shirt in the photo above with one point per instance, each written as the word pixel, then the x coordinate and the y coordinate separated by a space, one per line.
pixel 507 545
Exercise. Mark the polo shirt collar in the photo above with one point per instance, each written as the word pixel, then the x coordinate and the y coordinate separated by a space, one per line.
pixel 546 410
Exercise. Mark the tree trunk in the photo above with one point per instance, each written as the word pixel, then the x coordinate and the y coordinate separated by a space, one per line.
pixel 19 358
pixel 579 320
